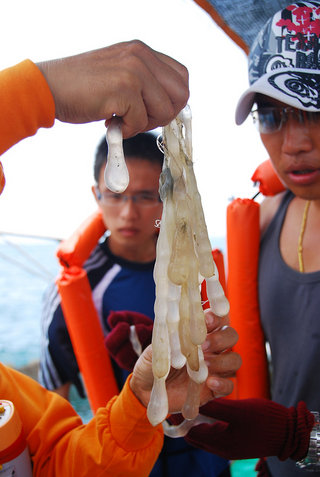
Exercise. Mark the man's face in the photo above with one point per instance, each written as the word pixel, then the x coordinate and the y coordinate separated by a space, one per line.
pixel 295 150
pixel 132 221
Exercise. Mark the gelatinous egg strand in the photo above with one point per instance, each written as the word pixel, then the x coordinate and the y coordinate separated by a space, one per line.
pixel 183 259
pixel 116 175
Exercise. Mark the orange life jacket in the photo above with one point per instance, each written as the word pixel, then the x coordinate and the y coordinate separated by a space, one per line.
pixel 80 314
pixel 243 241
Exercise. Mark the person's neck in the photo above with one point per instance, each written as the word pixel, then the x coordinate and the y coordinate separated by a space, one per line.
pixel 316 205
pixel 144 253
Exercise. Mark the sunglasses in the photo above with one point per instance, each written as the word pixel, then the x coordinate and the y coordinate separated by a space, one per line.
pixel 270 119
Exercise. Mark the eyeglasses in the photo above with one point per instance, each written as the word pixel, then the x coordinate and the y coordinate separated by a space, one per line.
pixel 141 199
pixel 270 119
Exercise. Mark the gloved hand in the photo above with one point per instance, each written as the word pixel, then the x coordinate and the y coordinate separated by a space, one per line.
pixel 252 428
pixel 130 334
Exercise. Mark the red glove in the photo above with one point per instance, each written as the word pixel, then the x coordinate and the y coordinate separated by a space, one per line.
pixel 118 341
pixel 252 428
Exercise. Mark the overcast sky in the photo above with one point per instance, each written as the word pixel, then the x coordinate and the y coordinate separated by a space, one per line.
pixel 49 175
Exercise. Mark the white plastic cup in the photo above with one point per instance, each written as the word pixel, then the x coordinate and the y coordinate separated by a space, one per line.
pixel 14 453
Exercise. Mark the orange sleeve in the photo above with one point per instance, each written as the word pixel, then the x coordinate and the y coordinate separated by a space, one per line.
pixel 119 440
pixel 26 103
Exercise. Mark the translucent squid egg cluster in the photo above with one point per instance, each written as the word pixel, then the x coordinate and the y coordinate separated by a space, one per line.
pixel 183 260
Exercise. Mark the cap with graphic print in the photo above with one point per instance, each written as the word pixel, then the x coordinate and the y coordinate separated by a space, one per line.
pixel 284 61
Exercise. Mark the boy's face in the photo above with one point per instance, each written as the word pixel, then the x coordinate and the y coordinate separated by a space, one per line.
pixel 294 149
pixel 132 221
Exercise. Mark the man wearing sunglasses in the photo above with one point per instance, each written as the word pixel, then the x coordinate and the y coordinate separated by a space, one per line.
pixel 284 101
pixel 284 97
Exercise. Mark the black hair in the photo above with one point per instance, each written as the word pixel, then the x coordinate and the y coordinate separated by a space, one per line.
pixel 142 146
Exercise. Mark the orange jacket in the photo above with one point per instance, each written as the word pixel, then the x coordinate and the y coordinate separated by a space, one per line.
pixel 119 440
pixel 26 104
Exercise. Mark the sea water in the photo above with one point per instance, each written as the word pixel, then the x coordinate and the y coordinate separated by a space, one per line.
pixel 27 267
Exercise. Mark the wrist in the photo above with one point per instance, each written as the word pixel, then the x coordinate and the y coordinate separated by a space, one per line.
pixel 142 396
pixel 312 459
pixel 129 424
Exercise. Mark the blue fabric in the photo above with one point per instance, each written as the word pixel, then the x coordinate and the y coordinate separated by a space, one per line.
pixel 247 17
pixel 179 459
pixel 131 289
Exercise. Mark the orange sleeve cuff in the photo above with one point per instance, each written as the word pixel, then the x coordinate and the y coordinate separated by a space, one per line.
pixel 129 424
pixel 26 103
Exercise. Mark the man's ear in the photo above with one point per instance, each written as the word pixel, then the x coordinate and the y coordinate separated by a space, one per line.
pixel 94 192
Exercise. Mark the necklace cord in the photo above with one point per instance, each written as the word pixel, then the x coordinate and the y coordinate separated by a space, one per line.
pixel 302 230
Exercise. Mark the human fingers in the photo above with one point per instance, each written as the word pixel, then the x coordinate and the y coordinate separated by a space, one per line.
pixel 176 65
pixel 156 92
pixel 142 378
pixel 221 368
pixel 165 89
pixel 220 340
pixel 215 386
pixel 219 386
pixel 224 364
pixel 215 322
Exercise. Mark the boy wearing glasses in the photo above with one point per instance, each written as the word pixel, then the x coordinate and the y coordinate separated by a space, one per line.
pixel 120 268
pixel 120 272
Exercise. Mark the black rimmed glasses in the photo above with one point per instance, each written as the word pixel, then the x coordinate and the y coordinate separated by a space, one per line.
pixel 270 119
pixel 141 199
